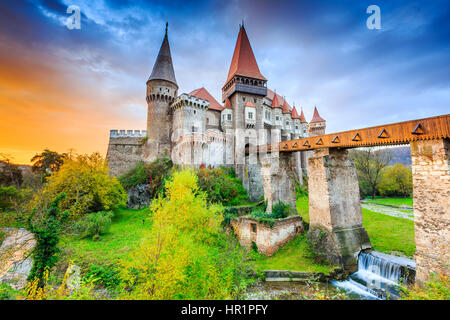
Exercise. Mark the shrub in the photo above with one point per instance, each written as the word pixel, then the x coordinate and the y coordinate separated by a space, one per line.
pixel 221 185
pixel 108 277
pixel 94 224
pixel 185 256
pixel 46 232
pixel 154 174
pixel 8 197
pixel 396 180
pixel 437 288
pixel 87 184
pixel 301 190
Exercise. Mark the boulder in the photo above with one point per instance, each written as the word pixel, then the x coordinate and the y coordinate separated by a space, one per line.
pixel 139 196
pixel 15 255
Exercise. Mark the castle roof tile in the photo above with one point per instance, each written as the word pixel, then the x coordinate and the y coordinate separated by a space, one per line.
pixel 243 62
pixel 202 93
pixel 316 116
pixel 163 67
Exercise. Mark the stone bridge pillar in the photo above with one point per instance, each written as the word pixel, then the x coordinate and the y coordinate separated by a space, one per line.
pixel 336 229
pixel 431 196
pixel 278 175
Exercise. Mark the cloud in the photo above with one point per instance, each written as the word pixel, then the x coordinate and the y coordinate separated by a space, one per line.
pixel 63 88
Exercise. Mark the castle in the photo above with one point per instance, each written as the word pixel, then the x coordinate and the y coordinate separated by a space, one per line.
pixel 195 129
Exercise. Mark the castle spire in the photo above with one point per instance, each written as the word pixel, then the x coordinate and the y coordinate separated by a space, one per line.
pixel 163 67
pixel 316 117
pixel 302 117
pixel 243 62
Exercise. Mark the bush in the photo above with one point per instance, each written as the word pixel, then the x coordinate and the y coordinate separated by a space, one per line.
pixel 105 276
pixel 87 184
pixel 221 186
pixel 279 211
pixel 301 190
pixel 94 224
pixel 396 180
pixel 154 174
pixel 8 197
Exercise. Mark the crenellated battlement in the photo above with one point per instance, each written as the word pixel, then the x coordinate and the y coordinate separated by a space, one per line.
pixel 127 133
pixel 186 100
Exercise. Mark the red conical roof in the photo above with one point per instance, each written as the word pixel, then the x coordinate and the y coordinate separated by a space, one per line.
pixel 286 107
pixel 316 116
pixel 202 93
pixel 294 114
pixel 275 103
pixel 302 117
pixel 244 62
pixel 228 104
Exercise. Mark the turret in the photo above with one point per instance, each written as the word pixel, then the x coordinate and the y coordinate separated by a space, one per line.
pixel 162 90
pixel 317 125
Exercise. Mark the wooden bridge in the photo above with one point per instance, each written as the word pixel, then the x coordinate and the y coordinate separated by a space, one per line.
pixel 336 228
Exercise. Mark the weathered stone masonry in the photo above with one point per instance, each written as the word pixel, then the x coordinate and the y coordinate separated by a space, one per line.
pixel 268 239
pixel 431 196
pixel 336 228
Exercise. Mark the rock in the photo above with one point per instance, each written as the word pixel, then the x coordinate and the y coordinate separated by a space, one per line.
pixel 15 257
pixel 139 196
pixel 74 278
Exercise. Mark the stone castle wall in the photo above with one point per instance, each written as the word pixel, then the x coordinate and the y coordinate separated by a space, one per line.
pixel 125 150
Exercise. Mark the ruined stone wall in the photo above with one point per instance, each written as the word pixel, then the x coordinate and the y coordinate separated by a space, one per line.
pixel 431 197
pixel 124 152
pixel 267 238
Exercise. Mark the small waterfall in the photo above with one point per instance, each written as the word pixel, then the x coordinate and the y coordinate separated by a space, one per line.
pixel 379 276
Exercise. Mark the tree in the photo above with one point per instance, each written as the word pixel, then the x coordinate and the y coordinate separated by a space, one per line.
pixel 396 180
pixel 369 164
pixel 185 255
pixel 46 232
pixel 10 174
pixel 47 162
pixel 87 184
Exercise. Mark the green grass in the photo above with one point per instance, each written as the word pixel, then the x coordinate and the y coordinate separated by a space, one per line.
pixel 125 234
pixel 295 256
pixel 303 208
pixel 390 234
pixel 387 234
pixel 394 202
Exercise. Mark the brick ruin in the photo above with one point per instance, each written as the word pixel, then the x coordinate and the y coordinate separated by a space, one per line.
pixel 268 239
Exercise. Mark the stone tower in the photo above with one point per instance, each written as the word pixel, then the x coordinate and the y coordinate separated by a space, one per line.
pixel 317 125
pixel 245 89
pixel 161 92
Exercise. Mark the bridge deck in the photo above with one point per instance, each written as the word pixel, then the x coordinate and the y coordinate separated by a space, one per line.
pixel 389 134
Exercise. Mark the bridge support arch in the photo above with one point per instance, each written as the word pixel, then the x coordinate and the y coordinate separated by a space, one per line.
pixel 336 229
pixel 431 198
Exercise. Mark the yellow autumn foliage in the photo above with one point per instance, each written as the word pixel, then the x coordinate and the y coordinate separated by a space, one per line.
pixel 87 184
pixel 182 257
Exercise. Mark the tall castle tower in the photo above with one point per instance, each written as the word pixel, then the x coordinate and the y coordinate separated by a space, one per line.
pixel 244 90
pixel 162 89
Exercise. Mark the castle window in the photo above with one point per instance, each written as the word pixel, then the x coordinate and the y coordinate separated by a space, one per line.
pixel 243 99
pixel 296 127
pixel 277 118
pixel 253 227
pixel 195 111
pixel 250 115
pixel 287 123
pixel 194 129
pixel 229 117
pixel 254 100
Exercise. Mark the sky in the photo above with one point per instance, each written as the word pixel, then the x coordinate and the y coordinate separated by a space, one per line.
pixel 65 89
